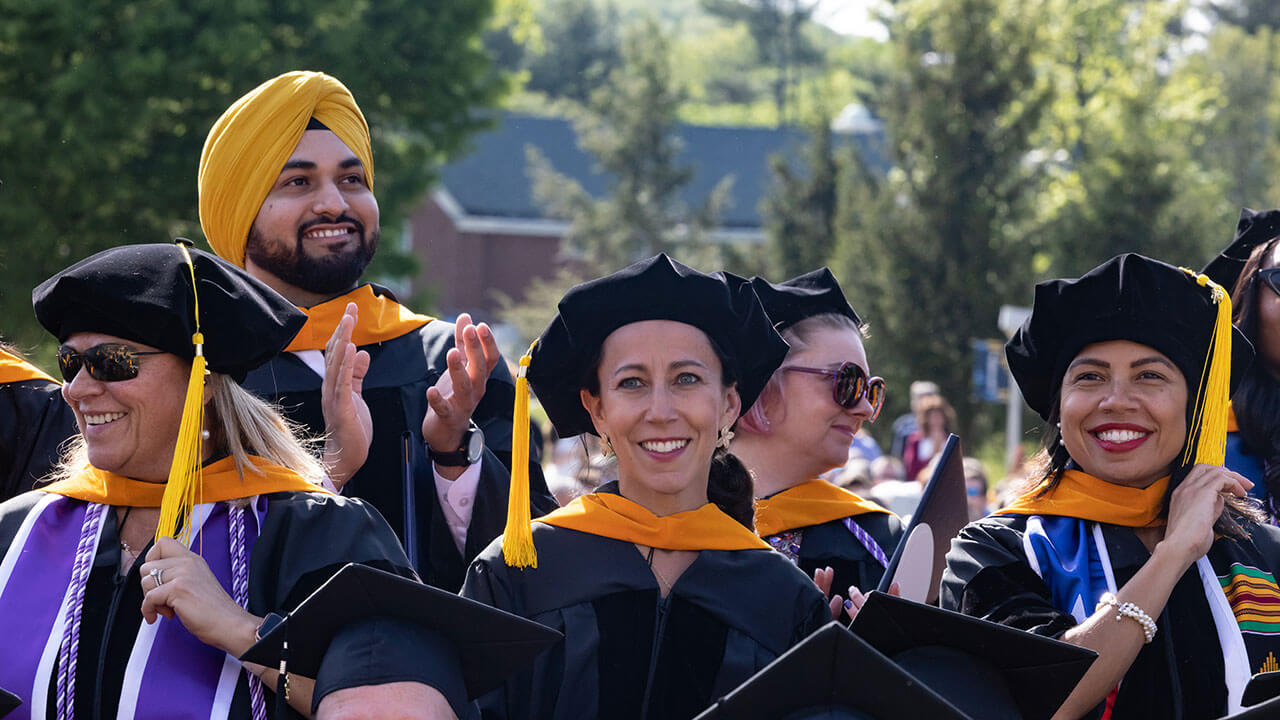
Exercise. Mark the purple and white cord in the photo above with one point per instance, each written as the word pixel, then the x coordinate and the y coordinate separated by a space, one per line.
pixel 240 592
pixel 867 541
pixel 68 651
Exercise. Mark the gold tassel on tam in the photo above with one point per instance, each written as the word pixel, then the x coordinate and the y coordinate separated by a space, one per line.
pixel 517 538
pixel 182 492
pixel 1207 438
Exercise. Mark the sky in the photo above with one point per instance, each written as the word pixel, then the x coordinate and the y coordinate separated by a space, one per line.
pixel 850 17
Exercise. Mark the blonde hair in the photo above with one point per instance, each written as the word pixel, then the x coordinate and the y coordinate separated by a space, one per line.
pixel 240 424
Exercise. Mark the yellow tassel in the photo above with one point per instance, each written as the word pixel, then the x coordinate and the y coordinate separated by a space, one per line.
pixel 517 539
pixel 183 490
pixel 1208 432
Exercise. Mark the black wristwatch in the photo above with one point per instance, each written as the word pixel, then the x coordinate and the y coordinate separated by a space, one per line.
pixel 467 454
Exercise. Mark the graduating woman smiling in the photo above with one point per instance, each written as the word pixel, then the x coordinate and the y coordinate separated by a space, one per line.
pixel 186 513
pixel 666 597
pixel 1135 543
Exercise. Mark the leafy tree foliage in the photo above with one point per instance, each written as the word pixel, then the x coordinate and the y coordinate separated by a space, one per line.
pixel 107 104
pixel 776 26
pixel 800 211
pixel 935 248
pixel 629 129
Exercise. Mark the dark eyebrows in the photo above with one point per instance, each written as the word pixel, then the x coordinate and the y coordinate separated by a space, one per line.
pixel 1088 361
pixel 1153 359
pixel 677 365
pixel 1095 362
pixel 309 165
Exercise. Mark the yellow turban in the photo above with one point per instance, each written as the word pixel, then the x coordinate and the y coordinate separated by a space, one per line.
pixel 253 140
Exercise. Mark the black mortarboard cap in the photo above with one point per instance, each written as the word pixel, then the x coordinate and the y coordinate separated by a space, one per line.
pixel 143 293
pixel 490 643
pixel 1129 297
pixel 810 294
pixel 1252 229
pixel 1263 686
pixel 655 289
pixel 1268 710
pixel 8 702
pixel 986 670
pixel 833 675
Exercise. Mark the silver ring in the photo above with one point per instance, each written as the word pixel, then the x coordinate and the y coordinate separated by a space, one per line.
pixel 157 574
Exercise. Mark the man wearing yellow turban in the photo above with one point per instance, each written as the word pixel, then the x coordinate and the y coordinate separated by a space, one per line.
pixel 286 191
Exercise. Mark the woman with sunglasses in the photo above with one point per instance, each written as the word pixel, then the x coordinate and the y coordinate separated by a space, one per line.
pixel 34 422
pixel 1135 542
pixel 801 426
pixel 185 512
pixel 666 598
pixel 1250 268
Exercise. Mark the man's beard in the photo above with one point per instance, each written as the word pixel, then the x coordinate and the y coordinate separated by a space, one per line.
pixel 328 275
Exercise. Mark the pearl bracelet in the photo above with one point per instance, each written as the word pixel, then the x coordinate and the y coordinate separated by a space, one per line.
pixel 1131 611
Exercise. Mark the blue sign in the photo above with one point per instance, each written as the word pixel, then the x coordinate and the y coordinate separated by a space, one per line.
pixel 990 377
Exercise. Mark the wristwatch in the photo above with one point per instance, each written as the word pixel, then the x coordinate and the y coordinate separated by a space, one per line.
pixel 468 453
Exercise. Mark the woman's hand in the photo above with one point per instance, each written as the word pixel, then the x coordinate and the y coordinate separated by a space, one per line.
pixel 822 577
pixel 1195 506
pixel 347 423
pixel 188 591
pixel 858 598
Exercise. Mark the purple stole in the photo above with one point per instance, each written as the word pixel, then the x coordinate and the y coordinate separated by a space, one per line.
pixel 169 674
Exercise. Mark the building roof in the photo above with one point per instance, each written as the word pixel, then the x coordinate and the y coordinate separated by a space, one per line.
pixel 493 181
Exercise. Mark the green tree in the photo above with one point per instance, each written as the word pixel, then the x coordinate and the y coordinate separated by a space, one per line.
pixel 1251 15
pixel 107 104
pixel 1127 126
pixel 933 249
pixel 629 129
pixel 777 27
pixel 582 49
pixel 800 210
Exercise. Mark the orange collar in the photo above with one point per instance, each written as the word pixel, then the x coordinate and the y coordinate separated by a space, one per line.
pixel 15 369
pixel 809 503
pixel 1084 496
pixel 1232 425
pixel 381 319
pixel 614 516
pixel 219 481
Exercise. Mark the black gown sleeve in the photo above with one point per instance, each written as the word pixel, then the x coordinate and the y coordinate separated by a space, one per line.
pixel 305 539
pixel 34 422
pixel 987 576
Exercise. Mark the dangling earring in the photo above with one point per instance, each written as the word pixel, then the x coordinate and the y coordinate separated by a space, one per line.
pixel 204 434
pixel 606 449
pixel 1059 432
pixel 724 438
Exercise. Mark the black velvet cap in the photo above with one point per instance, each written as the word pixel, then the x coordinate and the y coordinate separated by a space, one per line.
pixel 143 293
pixel 8 702
pixel 1129 297
pixel 831 674
pixel 986 670
pixel 813 293
pixel 1268 710
pixel 486 644
pixel 726 309
pixel 1252 229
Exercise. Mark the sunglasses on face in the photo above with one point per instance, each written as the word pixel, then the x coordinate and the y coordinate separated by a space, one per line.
pixel 1271 276
pixel 849 385
pixel 108 362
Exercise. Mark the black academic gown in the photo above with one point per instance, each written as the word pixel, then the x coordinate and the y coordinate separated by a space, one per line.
pixel 395 388
pixel 34 421
pixel 628 653
pixel 305 539
pixel 832 545
pixel 1180 674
